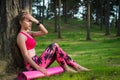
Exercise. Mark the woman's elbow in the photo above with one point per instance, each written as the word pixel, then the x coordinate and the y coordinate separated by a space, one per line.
pixel 46 32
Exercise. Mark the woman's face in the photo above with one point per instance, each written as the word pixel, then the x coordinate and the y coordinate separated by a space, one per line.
pixel 26 24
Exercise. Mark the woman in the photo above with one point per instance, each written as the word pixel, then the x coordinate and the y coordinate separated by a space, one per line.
pixel 26 43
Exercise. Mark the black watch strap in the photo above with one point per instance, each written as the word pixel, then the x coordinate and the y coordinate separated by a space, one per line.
pixel 38 23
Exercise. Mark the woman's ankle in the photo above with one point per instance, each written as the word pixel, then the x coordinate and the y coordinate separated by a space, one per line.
pixel 68 69
pixel 81 68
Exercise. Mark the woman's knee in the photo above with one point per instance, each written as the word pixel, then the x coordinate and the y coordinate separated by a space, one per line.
pixel 56 44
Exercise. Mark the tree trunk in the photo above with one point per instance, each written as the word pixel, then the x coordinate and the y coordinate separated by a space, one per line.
pixel 88 22
pixel 118 22
pixel 43 11
pixel 59 21
pixel 65 9
pixel 97 12
pixel 3 25
pixel 101 15
pixel 107 17
pixel 47 12
pixel 9 28
pixel 30 6
pixel 55 14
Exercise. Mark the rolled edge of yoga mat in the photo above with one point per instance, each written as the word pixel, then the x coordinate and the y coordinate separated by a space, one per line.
pixel 28 75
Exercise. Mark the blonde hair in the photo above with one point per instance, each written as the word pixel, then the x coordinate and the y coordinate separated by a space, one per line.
pixel 21 15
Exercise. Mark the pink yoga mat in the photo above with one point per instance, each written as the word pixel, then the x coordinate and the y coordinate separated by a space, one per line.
pixel 29 75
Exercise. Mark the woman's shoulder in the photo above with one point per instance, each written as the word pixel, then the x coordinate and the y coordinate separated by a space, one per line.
pixel 21 36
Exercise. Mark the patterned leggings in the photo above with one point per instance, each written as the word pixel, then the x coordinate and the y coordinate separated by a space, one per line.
pixel 53 52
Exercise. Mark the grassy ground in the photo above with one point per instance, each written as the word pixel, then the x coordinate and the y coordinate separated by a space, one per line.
pixel 101 54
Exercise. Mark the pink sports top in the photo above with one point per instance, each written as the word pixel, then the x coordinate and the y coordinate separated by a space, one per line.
pixel 30 42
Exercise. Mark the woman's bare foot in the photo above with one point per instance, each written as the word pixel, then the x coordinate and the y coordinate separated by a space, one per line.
pixel 68 69
pixel 80 68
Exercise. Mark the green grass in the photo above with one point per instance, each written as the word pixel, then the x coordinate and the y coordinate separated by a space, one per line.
pixel 101 54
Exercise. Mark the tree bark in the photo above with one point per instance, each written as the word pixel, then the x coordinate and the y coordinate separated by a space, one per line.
pixel 107 17
pixel 59 21
pixel 30 6
pixel 9 28
pixel 55 14
pixel 65 10
pixel 118 22
pixel 43 7
pixel 3 25
pixel 101 15
pixel 88 22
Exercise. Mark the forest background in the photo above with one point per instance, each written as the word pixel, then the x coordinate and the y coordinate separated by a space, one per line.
pixel 94 36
